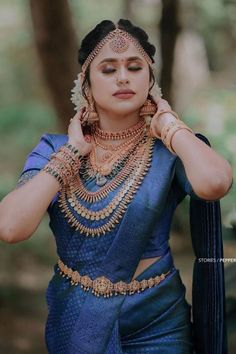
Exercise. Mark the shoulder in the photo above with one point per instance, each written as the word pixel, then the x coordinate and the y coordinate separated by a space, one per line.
pixel 55 141
pixel 46 146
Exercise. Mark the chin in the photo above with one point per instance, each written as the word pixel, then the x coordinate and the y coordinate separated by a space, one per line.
pixel 124 111
pixel 124 107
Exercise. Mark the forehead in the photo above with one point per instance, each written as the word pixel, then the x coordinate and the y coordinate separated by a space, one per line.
pixel 107 52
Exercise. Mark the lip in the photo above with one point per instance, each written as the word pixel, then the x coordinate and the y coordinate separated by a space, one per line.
pixel 125 93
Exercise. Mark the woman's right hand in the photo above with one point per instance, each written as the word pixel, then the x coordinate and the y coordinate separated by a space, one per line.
pixel 76 136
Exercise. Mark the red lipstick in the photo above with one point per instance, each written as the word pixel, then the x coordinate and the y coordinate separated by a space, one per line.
pixel 124 93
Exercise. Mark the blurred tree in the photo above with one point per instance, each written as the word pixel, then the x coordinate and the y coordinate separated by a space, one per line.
pixel 57 48
pixel 127 9
pixel 169 29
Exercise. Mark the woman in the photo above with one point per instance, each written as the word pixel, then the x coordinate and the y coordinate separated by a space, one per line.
pixel 111 187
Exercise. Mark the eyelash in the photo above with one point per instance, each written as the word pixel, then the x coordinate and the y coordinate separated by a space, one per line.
pixel 110 71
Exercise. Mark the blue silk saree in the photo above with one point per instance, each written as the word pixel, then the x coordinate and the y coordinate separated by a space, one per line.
pixel 157 320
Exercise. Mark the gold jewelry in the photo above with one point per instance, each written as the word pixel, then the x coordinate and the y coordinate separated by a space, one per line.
pixel 119 43
pixel 105 164
pixel 111 147
pixel 169 132
pixel 90 115
pixel 75 152
pixel 102 286
pixel 115 209
pixel 167 111
pixel 156 116
pixel 63 164
pixel 92 197
pixel 148 109
pixel 121 134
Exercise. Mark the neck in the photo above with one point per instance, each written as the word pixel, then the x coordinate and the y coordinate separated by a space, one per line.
pixel 114 122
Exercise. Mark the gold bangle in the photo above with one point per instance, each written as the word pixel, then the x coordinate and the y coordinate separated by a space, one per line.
pixel 63 165
pixel 158 113
pixel 170 143
pixel 156 116
pixel 75 151
pixel 172 130
pixel 166 128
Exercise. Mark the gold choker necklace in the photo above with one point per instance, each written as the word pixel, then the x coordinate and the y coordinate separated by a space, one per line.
pixel 121 134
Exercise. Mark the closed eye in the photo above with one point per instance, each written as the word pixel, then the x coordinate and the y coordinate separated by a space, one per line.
pixel 108 71
pixel 135 68
pixel 112 70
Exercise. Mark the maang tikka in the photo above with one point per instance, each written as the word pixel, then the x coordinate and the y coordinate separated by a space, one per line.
pixel 119 42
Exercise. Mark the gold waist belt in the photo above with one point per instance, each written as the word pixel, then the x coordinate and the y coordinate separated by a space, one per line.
pixel 104 287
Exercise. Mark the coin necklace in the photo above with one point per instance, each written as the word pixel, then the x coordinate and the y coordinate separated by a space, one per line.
pixel 92 197
pixel 79 213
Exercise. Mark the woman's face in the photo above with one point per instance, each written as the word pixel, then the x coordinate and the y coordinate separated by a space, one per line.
pixel 119 81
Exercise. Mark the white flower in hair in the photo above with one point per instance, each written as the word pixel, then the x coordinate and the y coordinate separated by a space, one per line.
pixel 77 97
pixel 156 91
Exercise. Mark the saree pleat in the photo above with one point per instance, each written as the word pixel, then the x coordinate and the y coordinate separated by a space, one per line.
pixel 156 320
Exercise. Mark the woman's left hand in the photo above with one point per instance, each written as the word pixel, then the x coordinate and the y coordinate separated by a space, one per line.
pixel 157 124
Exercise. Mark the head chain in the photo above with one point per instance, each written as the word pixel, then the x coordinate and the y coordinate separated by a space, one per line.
pixel 117 34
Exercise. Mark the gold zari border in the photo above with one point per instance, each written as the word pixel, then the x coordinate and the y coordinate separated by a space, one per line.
pixel 102 286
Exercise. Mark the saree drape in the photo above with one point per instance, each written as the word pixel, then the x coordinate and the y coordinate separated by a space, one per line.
pixel 80 323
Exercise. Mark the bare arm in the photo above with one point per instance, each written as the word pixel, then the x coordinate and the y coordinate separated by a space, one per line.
pixel 22 209
pixel 209 174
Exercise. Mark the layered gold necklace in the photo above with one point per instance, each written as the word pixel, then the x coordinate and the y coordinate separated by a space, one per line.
pixel 121 171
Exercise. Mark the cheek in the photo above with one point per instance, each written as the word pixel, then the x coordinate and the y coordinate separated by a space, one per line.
pixel 100 87
pixel 143 80
pixel 143 85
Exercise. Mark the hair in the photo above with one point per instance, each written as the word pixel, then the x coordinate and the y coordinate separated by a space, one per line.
pixel 100 31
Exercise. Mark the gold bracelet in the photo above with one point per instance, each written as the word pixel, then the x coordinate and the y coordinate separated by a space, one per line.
pixel 171 129
pixel 74 150
pixel 158 113
pixel 63 165
pixel 179 128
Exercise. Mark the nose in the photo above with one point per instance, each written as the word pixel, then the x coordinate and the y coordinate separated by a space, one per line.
pixel 122 78
pixel 122 81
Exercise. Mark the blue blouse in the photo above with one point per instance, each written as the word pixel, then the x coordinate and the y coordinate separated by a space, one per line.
pixel 158 242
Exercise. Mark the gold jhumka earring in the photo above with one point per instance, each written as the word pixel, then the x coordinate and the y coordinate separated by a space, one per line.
pixel 90 115
pixel 148 109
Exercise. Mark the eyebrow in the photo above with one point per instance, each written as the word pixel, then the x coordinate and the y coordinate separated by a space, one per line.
pixel 114 60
